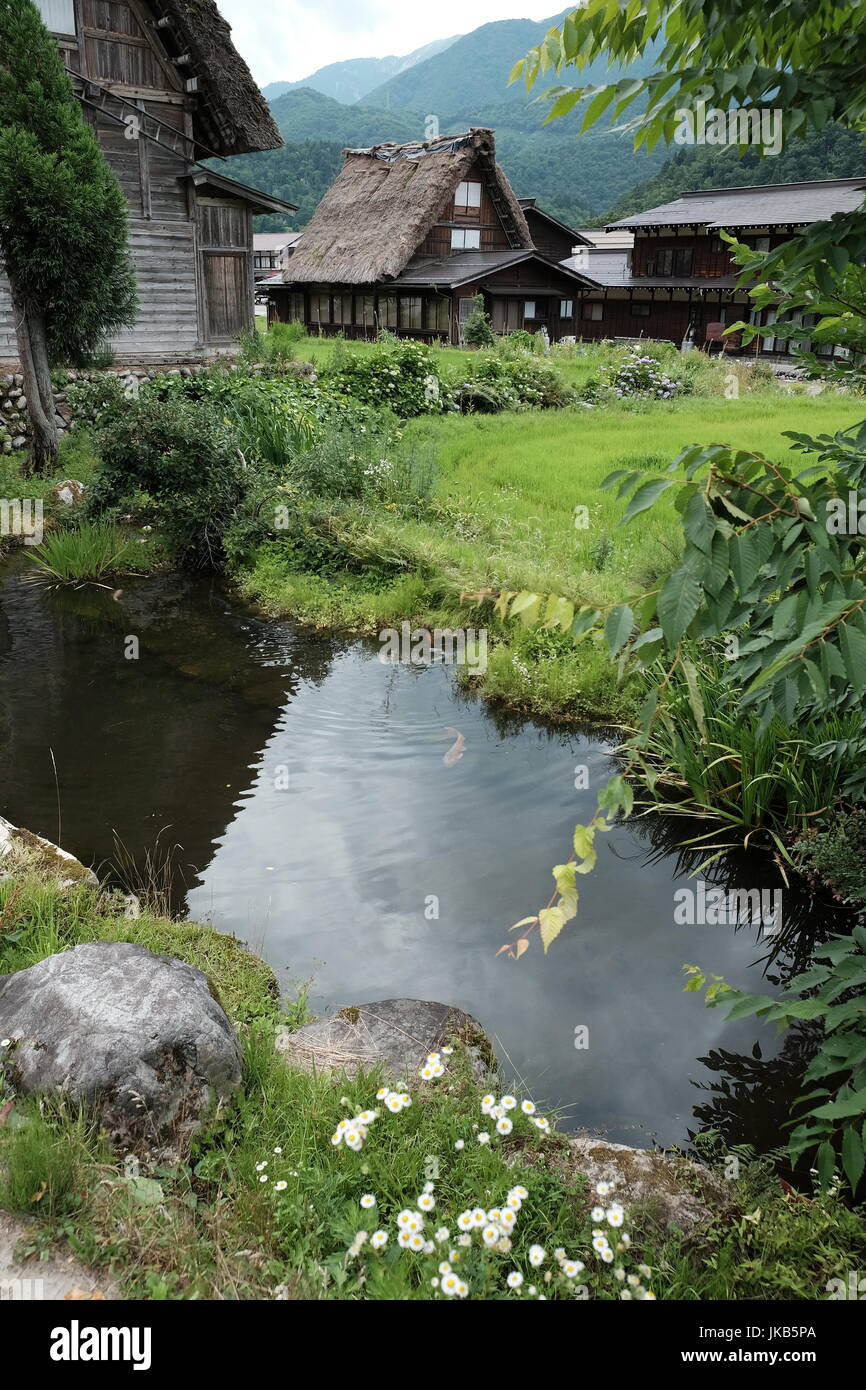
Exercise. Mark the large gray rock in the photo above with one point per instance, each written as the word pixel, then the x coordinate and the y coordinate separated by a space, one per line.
pixel 671 1191
pixel 396 1033
pixel 139 1036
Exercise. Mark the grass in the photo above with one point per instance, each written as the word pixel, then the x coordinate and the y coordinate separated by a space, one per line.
pixel 85 554
pixel 503 517
pixel 209 1227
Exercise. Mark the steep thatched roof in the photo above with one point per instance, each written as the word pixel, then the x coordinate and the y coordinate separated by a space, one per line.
pixel 234 114
pixel 385 200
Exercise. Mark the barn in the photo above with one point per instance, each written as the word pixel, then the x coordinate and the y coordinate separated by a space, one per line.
pixel 164 88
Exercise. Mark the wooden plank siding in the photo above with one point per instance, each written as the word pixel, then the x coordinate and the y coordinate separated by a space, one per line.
pixel 493 235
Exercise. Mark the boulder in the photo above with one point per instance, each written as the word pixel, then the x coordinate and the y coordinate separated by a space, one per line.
pixel 396 1033
pixel 140 1037
pixel 69 493
pixel 49 857
pixel 672 1190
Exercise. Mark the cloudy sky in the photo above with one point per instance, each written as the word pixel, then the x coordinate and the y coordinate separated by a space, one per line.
pixel 284 40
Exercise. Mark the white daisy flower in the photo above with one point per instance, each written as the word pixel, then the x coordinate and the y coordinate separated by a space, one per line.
pixel 462 1289
pixel 504 1125
pixel 541 1123
pixel 528 1107
pixel 459 1144
pixel 426 1202
pixel 570 1269
pixel 483 1137
pixel 597 1214
pixel 515 1279
pixel 444 1267
pixel 508 1102
pixel 280 1186
pixel 403 1239
pixel 603 1189
pixel 536 1255
pixel 464 1221
pixel 441 1234
pixel 378 1239
pixel 614 1218
pixel 490 1236
pixel 368 1201
pixel 416 1241
pixel 450 1285
pixel 507 1220
pixel 464 1240
pixel 447 1051
pixel 278 1150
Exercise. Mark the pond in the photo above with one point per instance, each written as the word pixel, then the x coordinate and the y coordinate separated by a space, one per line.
pixel 317 817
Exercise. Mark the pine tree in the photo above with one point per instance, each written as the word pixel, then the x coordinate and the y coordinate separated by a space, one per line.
pixel 63 220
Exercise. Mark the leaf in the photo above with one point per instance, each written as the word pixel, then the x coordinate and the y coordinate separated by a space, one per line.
pixel 695 701
pixel 678 602
pixel 853 1158
pixel 618 628
pixel 551 921
pixel 648 493
pixel 522 945
pixel 524 922
pixel 825 1161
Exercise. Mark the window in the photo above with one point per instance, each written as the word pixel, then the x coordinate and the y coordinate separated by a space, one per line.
pixel 566 308
pixel 468 195
pixel 365 310
pixel 320 308
pixel 671 260
pixel 590 310
pixel 58 15
pixel 529 309
pixel 387 311
pixel 439 314
pixel 264 260
pixel 296 307
pixel 410 311
pixel 465 238
pixel 640 311
pixel 717 246
pixel 762 243
pixel 343 309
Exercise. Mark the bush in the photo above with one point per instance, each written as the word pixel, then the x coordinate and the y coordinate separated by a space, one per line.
pixel 185 457
pixel 477 331
pixel 836 854
pixel 512 381
pixel 275 347
pixel 400 374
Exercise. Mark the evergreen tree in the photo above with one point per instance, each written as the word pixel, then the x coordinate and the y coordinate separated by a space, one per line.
pixel 63 220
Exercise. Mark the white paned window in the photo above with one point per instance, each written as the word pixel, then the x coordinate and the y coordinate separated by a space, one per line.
pixel 468 195
pixel 465 238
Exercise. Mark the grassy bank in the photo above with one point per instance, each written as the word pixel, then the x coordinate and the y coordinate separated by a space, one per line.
pixel 503 516
pixel 268 1207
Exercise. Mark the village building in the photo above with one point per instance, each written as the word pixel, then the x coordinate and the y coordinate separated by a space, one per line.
pixel 271 252
pixel 164 88
pixel 678 279
pixel 408 235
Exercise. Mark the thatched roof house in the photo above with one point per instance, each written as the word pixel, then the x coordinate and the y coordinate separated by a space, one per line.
pixel 163 87
pixel 406 237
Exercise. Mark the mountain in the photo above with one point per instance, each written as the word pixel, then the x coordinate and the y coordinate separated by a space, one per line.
pixel 307 115
pixel 473 71
pixel 351 80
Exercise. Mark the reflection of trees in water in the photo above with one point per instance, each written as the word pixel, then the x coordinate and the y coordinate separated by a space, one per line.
pixel 752 1097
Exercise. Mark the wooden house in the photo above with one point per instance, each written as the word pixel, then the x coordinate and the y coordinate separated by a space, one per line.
pixel 679 276
pixel 164 87
pixel 408 235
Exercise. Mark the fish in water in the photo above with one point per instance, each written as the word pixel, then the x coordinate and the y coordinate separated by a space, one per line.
pixel 457 749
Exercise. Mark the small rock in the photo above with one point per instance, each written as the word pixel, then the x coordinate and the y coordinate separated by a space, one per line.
pixel 675 1191
pixel 69 493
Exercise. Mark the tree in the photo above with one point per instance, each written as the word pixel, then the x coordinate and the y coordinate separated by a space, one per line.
pixel 63 220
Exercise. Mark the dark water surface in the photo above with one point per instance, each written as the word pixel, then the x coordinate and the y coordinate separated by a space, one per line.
pixel 329 877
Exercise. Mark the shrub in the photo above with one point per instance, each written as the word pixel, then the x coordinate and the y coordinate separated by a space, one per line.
pixel 477 331
pixel 836 853
pixel 87 554
pixel 512 381
pixel 186 458
pixel 401 374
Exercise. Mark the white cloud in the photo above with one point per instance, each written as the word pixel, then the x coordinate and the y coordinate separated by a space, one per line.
pixel 285 40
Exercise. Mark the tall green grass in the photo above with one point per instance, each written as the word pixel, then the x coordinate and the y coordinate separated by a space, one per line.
pixel 88 554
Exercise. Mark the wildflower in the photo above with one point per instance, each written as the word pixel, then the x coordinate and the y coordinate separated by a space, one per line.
pixel 378 1239
pixel 459 1144
pixel 528 1107
pixel 625 1238
pixel 429 1247
pixel 404 1217
pixel 403 1239
pixel 426 1202
pixel 263 1178
pixel 570 1269
pixel 490 1236
pixel 260 1166
pixel 426 1073
pixel 504 1125
pixel 494 1214
pixel 559 1254
pixel 614 1217
pixel 280 1186
pixel 336 1139
pixel 462 1289
pixel 479 1216
pixel 434 1282
pixel 498 1112
pixel 633 1280
pixel 519 1191
pixel 487 1104
pixel 625 1295
pixel 508 1102
pixel 278 1150
pixel 531 1289
pixel 483 1137
pixel 600 1244
pixel 405 1100
pixel 649 1296
pixel 428 1187
pixel 464 1240
pixel 437 1069
pixel 464 1220
pixel 536 1255
pixel 603 1189
pixel 513 1202
pixel 441 1234
pixel 645 1271
pixel 447 1051
pixel 541 1123
pixel 515 1279
pixel 507 1220
pixel 342 1126
pixel 366 1117
pixel 367 1201
pixel 619 1273
pixel 450 1285
pixel 416 1241
pixel 607 1255
pixel 383 1093
pixel 432 1056
pixel 394 1104
pixel 444 1267
pixel 597 1213
pixel 504 1245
